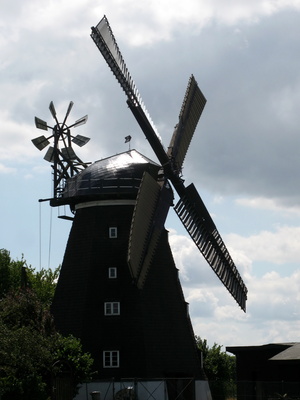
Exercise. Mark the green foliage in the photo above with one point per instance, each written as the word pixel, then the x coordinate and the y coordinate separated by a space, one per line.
pixel 69 349
pixel 10 273
pixel 25 358
pixel 16 274
pixel 218 365
pixel 31 351
pixel 219 368
pixel 43 283
pixel 23 308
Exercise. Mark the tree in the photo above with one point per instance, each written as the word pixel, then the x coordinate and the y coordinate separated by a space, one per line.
pixel 17 274
pixel 10 272
pixel 43 282
pixel 25 359
pixel 219 368
pixel 31 350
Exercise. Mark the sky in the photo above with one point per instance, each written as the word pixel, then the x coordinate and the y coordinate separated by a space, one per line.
pixel 244 157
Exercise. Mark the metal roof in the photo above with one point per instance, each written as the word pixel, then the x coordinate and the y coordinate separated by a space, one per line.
pixel 286 351
pixel 291 353
pixel 121 173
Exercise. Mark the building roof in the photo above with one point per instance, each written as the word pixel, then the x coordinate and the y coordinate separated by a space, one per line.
pixel 291 353
pixel 286 351
pixel 119 174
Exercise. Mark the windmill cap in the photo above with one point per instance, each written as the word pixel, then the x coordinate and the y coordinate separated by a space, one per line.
pixel 116 176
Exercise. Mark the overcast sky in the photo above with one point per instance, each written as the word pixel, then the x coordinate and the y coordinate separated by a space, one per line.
pixel 244 158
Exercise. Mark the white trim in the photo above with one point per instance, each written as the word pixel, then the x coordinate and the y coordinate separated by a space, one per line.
pixel 112 308
pixel 113 232
pixel 101 203
pixel 111 353
pixel 112 272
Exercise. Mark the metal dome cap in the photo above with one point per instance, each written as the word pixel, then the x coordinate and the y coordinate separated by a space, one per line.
pixel 117 176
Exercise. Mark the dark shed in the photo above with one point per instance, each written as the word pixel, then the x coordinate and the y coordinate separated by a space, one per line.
pixel 267 371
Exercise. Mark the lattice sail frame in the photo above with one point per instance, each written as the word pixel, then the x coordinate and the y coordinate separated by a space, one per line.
pixel 191 110
pixel 152 206
pixel 195 218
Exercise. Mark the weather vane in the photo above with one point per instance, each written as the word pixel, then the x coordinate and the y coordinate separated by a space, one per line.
pixel 127 140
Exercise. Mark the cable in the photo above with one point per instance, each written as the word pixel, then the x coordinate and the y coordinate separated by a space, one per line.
pixel 40 234
pixel 50 238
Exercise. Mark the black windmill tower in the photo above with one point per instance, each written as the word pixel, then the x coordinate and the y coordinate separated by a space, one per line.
pixel 119 289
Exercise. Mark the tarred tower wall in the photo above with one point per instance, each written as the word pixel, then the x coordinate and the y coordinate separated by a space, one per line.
pixel 153 333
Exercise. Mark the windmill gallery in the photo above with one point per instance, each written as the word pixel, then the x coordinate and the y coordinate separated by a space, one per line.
pixel 118 289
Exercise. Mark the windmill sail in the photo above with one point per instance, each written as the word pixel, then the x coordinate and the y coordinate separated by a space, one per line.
pixel 197 221
pixel 191 110
pixel 150 213
pixel 190 207
pixel 106 43
pixel 104 39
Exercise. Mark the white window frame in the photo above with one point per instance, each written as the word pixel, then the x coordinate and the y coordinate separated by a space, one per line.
pixel 112 308
pixel 113 232
pixel 112 273
pixel 111 359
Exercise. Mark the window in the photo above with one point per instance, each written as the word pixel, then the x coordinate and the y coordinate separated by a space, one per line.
pixel 112 308
pixel 111 359
pixel 112 273
pixel 113 232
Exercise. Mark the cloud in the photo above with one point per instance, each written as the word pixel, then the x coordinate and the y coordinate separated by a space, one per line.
pixel 6 170
pixel 272 312
pixel 159 21
pixel 273 297
pixel 274 204
pixel 278 247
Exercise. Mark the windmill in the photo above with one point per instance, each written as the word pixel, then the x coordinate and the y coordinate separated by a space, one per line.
pixel 65 162
pixel 119 289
